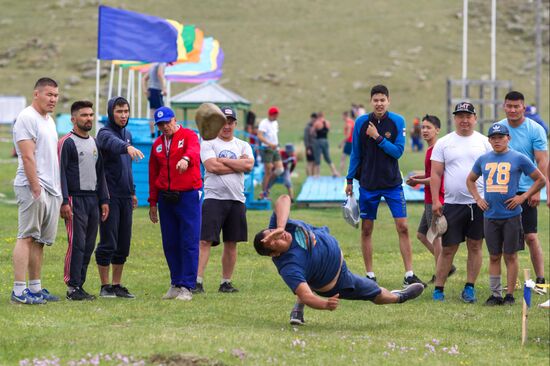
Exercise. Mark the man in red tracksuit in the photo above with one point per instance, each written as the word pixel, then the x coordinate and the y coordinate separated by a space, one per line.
pixel 174 184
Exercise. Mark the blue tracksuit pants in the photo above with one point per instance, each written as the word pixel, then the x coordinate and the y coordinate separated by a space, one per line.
pixel 180 225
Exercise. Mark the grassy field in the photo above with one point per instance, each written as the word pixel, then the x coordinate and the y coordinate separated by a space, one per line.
pixel 251 327
pixel 302 56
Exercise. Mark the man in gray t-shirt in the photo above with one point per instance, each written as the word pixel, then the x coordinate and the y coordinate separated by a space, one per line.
pixel 38 192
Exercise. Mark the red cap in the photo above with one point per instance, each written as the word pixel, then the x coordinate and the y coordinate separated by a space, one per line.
pixel 273 110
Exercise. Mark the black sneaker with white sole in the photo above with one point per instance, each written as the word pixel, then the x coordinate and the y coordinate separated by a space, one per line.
pixel 122 292
pixel 199 288
pixel 107 292
pixel 297 317
pixel 494 301
pixel 412 279
pixel 227 287
pixel 76 295
pixel 89 297
pixel 410 292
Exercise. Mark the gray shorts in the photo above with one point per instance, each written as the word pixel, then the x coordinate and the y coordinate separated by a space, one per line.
pixel 504 235
pixel 37 218
pixel 426 219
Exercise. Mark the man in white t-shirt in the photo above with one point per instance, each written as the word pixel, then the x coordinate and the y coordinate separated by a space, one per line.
pixel 225 159
pixel 38 191
pixel 268 134
pixel 453 157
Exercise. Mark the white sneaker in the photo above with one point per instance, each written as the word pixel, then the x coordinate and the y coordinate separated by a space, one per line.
pixel 184 295
pixel 545 305
pixel 172 293
pixel 539 289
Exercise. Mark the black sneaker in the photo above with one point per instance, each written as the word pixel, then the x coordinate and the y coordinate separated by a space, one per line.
pixel 452 271
pixel 297 317
pixel 494 301
pixel 76 295
pixel 107 292
pixel 410 292
pixel 199 289
pixel 88 296
pixel 121 291
pixel 227 287
pixel 509 300
pixel 412 279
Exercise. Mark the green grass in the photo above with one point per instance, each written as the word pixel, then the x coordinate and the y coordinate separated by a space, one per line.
pixel 324 55
pixel 255 321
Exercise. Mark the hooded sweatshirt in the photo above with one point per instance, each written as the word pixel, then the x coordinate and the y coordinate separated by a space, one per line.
pixel 113 141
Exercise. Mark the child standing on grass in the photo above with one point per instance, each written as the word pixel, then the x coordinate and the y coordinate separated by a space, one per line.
pixel 501 170
pixel 430 131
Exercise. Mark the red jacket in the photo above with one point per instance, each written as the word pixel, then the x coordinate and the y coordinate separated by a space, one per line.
pixel 163 175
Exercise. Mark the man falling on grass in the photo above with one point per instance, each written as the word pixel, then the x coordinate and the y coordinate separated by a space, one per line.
pixel 310 262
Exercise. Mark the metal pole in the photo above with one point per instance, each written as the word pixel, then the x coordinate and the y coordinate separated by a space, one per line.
pixel 111 77
pixel 493 57
pixel 464 46
pixel 133 92
pixel 119 90
pixel 97 69
pixel 169 93
pixel 129 87
pixel 139 94
pixel 538 52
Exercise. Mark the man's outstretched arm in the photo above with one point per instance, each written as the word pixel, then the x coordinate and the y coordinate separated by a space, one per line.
pixel 306 296
pixel 282 210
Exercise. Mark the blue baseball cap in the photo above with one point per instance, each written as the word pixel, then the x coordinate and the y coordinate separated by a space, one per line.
pixel 229 112
pixel 163 115
pixel 498 129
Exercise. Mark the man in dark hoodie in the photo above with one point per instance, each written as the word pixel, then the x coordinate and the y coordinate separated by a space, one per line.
pixel 115 143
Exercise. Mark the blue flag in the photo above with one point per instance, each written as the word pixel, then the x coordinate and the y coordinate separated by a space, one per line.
pixel 527 295
pixel 127 35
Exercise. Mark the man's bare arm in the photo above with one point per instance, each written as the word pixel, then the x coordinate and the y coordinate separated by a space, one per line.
pixel 306 296
pixel 27 147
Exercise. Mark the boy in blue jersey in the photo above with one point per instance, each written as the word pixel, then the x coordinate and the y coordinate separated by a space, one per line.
pixel 501 170
pixel 378 142
pixel 309 260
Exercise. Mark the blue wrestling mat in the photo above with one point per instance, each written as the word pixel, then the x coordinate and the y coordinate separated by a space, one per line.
pixel 329 190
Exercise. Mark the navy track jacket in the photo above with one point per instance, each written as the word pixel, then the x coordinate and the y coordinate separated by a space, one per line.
pixel 374 163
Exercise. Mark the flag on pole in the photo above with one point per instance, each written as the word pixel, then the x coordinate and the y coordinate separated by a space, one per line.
pixel 127 35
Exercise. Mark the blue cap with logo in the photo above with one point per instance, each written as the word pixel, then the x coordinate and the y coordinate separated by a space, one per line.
pixel 229 112
pixel 498 129
pixel 163 115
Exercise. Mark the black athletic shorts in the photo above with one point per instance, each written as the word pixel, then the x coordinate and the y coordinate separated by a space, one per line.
pixel 504 235
pixel 426 220
pixel 155 98
pixel 223 215
pixel 463 221
pixel 529 217
pixel 310 157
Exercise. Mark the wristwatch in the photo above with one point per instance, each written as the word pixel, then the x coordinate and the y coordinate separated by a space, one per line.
pixel 186 158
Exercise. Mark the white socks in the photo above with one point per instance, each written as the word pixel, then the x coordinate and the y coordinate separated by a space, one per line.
pixel 19 287
pixel 409 274
pixel 35 286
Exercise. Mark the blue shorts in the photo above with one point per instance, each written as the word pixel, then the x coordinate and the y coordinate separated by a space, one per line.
pixel 353 287
pixel 369 201
pixel 347 148
pixel 155 98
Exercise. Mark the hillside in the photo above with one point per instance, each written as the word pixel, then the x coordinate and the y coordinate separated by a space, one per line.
pixel 299 55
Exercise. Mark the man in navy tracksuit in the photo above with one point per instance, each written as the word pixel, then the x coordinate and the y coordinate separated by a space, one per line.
pixel 378 141
pixel 115 143
pixel 84 191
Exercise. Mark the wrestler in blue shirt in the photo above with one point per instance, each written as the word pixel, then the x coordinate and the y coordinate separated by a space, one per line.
pixel 309 260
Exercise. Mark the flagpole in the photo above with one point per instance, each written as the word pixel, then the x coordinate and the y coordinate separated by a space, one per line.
pixel 525 309
pixel 119 90
pixel 111 77
pixel 139 94
pixel 98 67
